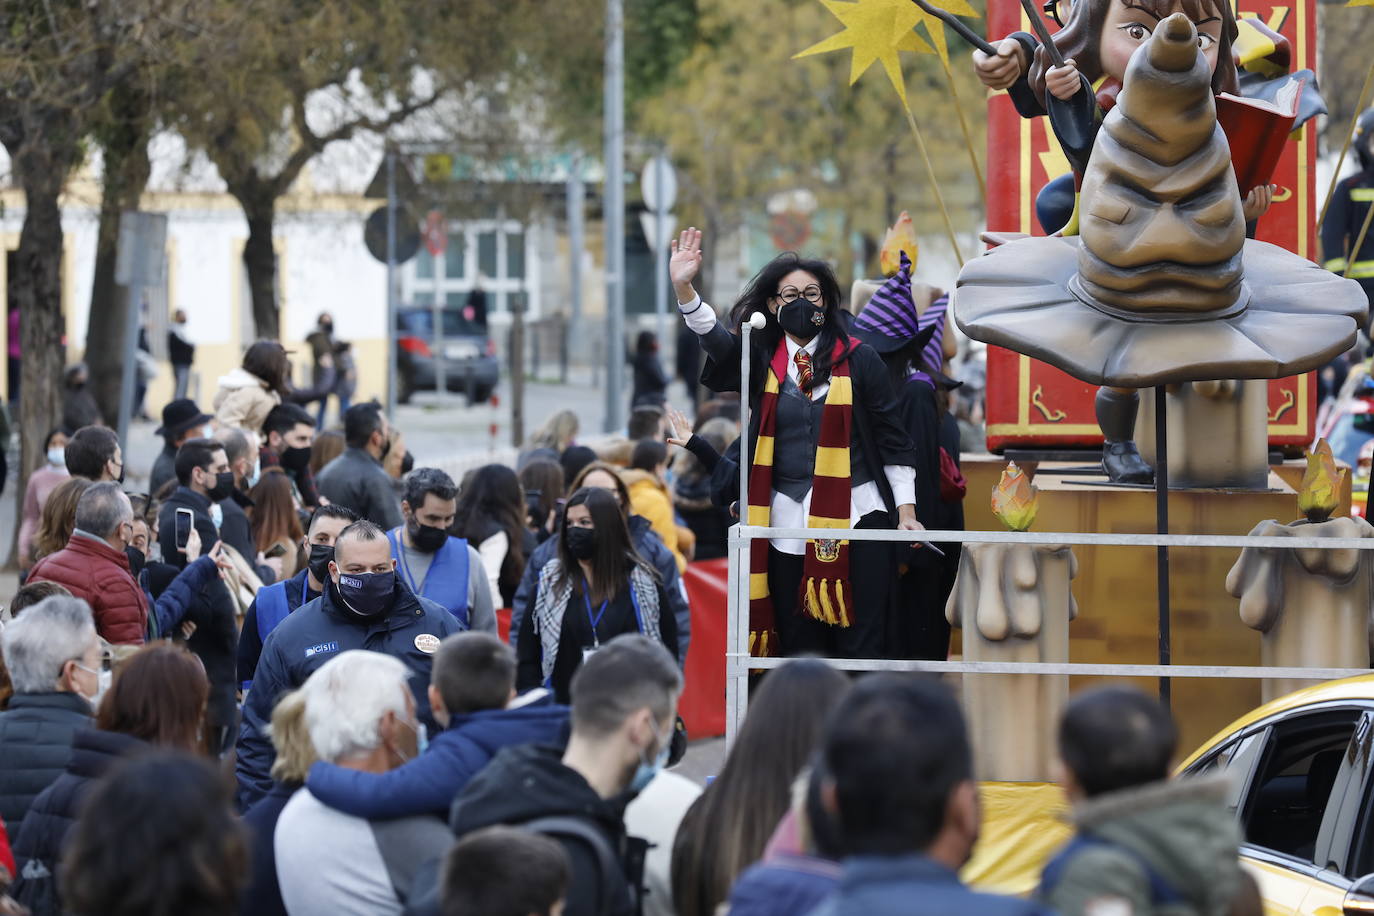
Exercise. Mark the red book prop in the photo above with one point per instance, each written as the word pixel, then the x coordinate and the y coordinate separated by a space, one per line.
pixel 1257 130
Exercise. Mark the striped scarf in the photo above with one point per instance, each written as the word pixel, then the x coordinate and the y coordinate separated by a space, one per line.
pixel 825 591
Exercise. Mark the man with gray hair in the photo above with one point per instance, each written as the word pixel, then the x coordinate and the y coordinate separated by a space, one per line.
pixel 54 661
pixel 94 566
pixel 360 714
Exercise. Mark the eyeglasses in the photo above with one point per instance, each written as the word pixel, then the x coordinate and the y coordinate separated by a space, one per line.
pixel 811 294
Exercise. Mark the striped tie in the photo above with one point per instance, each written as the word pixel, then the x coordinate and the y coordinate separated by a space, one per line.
pixel 804 375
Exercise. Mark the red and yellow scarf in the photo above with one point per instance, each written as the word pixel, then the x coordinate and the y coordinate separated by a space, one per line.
pixel 825 591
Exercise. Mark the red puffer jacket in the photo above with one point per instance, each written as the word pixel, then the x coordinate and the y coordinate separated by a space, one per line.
pixel 97 573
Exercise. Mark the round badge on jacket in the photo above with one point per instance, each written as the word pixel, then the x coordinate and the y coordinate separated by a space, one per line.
pixel 427 643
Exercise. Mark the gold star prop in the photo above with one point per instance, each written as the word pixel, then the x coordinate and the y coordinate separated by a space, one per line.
pixel 875 30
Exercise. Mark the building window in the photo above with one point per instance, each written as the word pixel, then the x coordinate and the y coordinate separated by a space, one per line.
pixel 491 253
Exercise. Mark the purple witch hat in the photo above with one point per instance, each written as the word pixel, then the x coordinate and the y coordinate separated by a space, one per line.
pixel 889 321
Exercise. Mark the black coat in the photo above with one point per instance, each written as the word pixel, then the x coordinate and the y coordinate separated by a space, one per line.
pixel 213 612
pixel 877 417
pixel 35 747
pixel 42 839
pixel 262 897
pixel 650 381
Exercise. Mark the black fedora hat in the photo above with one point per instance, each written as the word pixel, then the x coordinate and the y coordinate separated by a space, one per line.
pixel 179 415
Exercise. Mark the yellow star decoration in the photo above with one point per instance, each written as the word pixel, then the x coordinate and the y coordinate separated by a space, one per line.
pixel 1360 3
pixel 935 28
pixel 876 30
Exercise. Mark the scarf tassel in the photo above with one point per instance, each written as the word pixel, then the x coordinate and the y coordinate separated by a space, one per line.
pixel 825 601
pixel 763 643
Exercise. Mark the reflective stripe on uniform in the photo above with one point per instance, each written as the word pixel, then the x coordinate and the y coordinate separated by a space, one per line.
pixel 1360 270
pixel 1363 194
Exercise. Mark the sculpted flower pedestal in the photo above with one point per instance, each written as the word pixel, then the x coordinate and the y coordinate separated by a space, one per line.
pixel 1014 604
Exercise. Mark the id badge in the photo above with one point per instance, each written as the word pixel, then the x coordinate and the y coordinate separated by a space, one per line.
pixel 588 652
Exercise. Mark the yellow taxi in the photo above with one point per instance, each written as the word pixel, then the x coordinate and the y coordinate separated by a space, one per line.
pixel 1302 786
pixel 1303 790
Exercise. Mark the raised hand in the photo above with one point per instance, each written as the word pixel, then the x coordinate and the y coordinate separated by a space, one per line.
pixel 685 262
pixel 1063 82
pixel 1002 70
pixel 679 428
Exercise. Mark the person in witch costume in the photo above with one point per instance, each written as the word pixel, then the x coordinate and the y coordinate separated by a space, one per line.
pixel 910 345
pixel 1097 43
pixel 828 451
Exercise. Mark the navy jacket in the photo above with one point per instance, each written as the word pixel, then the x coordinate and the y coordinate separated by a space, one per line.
pixel 298 592
pixel 650 547
pixel 35 747
pixel 430 783
pixel 311 636
pixel 784 886
pixel 262 897
pixel 914 885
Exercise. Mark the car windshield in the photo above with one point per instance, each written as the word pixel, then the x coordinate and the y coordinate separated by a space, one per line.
pixel 420 323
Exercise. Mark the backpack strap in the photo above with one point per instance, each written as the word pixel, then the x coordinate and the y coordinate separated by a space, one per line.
pixel 1162 893
pixel 607 861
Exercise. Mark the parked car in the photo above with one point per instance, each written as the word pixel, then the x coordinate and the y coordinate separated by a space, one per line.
pixel 470 361
pixel 1303 789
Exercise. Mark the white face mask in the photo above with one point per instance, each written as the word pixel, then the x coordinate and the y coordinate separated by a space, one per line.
pixel 256 473
pixel 57 456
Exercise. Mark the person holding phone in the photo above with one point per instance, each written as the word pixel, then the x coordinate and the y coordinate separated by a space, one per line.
pixel 596 588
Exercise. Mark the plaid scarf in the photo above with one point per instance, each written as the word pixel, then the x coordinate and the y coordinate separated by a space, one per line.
pixel 825 591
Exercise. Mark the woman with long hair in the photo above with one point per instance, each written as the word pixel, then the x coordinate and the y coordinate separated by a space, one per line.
pixel 557 433
pixel 59 517
pixel 41 484
pixel 276 522
pixel 542 480
pixel 328 445
pixel 157 700
pixel 157 838
pixel 839 457
pixel 727 828
pixel 247 393
pixel 597 587
pixel 491 517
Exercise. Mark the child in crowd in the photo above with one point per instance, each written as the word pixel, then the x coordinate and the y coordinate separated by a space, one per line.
pixel 505 871
pixel 472 693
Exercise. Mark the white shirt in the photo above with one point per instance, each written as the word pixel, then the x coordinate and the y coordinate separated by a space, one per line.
pixel 786 512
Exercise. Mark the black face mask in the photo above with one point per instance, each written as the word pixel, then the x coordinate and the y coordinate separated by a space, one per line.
pixel 425 538
pixel 407 463
pixel 136 560
pixel 581 542
pixel 295 459
pixel 386 448
pixel 223 488
pixel 801 318
pixel 320 555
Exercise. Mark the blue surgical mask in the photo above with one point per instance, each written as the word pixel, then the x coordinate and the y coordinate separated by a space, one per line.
pixel 256 473
pixel 57 456
pixel 647 770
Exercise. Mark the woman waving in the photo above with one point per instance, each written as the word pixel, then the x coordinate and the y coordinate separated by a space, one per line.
pixel 828 451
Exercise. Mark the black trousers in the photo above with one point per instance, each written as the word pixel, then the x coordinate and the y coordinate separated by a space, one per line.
pixel 872 573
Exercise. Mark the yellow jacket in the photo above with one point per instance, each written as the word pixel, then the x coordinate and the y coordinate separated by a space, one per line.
pixel 649 498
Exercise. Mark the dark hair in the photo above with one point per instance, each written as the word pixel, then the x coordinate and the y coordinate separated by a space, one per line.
pixel 361 530
pixel 59 517
pixel 88 451
pixel 573 460
pixel 360 422
pixel 1081 39
pixel 473 671
pixel 727 827
pixel 333 510
pixel 628 673
pixel 648 454
pixel 615 554
pixel 156 837
pixel 421 482
pixel 622 491
pixel 328 445
pixel 896 748
pixel 824 838
pixel 285 417
pixel 764 286
pixel 645 423
pixel 492 500
pixel 31 593
pixel 274 515
pixel 1114 738
pixel 542 480
pixel 266 360
pixel 504 871
pixel 158 695
pixel 646 342
pixel 196 453
pixel 47 443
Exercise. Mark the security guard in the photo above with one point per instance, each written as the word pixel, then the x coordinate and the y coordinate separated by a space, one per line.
pixel 1348 211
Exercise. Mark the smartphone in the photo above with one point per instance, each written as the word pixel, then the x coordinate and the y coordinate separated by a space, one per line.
pixel 277 550
pixel 185 520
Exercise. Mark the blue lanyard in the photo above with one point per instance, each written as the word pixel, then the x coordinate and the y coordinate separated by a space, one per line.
pixel 594 621
pixel 395 537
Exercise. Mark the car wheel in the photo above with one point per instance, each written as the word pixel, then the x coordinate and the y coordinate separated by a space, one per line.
pixel 406 389
pixel 480 395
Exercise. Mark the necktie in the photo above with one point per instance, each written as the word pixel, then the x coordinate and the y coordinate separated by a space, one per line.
pixel 804 375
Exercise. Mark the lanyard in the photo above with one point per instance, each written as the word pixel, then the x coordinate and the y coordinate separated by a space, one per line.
pixel 594 621
pixel 395 538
